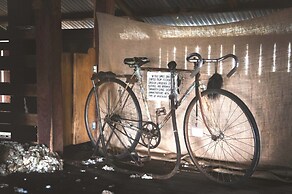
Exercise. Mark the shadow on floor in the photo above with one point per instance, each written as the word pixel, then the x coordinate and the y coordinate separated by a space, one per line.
pixel 81 177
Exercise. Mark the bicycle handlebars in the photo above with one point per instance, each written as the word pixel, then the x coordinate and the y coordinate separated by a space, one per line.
pixel 195 58
pixel 198 61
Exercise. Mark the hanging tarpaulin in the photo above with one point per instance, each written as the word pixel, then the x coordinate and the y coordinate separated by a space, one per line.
pixel 263 80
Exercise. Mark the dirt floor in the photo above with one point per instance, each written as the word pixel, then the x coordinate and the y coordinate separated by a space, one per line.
pixel 81 176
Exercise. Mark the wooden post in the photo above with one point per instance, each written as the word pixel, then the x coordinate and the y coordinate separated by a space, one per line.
pixel 49 83
pixel 20 22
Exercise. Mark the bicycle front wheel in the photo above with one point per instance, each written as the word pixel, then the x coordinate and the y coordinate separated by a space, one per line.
pixel 230 155
pixel 112 107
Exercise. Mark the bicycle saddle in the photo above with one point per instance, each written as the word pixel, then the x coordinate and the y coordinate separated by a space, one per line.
pixel 136 61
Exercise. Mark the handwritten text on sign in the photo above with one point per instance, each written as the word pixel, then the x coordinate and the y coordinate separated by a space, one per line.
pixel 158 85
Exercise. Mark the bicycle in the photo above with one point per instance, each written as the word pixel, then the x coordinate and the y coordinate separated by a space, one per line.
pixel 220 132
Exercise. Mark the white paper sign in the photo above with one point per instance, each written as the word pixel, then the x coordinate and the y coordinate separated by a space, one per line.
pixel 158 85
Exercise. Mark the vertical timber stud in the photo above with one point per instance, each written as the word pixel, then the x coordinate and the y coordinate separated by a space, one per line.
pixel 49 87
pixel 103 6
pixel 20 20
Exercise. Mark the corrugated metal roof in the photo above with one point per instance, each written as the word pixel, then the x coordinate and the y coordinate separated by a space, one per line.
pixel 193 12
pixel 163 12
pixel 78 24
pixel 205 19
pixel 180 5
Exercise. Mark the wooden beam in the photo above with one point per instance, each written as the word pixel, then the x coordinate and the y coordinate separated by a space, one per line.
pixel 4 34
pixel 4 107
pixel 23 119
pixel 77 40
pixel 67 88
pixel 77 15
pixel 3 19
pixel 5 89
pixel 49 86
pixel 17 89
pixel 125 8
pixel 4 46
pixel 104 6
pixel 25 61
pixel 28 119
pixel 5 63
pixel 77 34
pixel 6 117
pixel 6 127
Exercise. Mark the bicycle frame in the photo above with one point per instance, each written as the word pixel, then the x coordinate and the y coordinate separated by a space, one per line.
pixel 193 58
pixel 137 74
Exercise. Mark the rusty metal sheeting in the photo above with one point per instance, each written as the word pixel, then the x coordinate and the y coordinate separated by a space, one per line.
pixel 16 157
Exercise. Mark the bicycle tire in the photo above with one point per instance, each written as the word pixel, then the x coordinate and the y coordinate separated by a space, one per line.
pixel 232 156
pixel 118 107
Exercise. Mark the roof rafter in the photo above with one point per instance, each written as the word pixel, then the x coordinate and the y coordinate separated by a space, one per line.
pixel 77 15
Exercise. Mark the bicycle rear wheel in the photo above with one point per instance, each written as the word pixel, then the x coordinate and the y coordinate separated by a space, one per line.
pixel 113 108
pixel 232 154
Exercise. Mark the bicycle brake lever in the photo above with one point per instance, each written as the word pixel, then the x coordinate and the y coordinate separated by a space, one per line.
pixel 197 68
pixel 195 72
